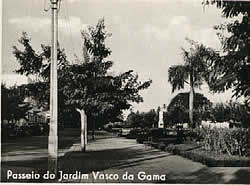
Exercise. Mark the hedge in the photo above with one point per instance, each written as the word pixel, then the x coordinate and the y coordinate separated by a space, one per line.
pixel 196 153
pixel 225 140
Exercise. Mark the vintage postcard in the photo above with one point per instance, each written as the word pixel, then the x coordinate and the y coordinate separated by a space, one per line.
pixel 125 91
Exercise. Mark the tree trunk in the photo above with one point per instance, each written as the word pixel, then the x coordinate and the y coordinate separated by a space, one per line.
pixel 93 129
pixel 191 101
pixel 86 130
pixel 83 129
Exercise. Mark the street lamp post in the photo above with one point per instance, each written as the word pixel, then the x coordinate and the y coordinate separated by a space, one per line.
pixel 53 138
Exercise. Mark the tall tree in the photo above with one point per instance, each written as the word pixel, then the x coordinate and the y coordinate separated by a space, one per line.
pixel 231 70
pixel 89 87
pixel 192 72
pixel 85 86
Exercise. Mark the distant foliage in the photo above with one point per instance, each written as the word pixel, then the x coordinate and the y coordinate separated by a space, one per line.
pixel 179 106
pixel 12 106
pixel 143 119
pixel 235 113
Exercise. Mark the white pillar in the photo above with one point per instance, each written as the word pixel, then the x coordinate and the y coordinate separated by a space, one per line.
pixel 86 130
pixel 83 129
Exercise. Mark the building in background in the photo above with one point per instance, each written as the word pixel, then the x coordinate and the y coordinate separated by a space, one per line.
pixel 35 114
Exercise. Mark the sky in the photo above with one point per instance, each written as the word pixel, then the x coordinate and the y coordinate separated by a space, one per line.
pixel 147 36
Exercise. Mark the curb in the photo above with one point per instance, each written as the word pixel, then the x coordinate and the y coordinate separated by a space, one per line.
pixel 208 161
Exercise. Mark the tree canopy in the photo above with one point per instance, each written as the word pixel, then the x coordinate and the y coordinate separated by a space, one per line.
pixel 36 63
pixel 195 68
pixel 231 69
pixel 85 84
pixel 182 99
pixel 179 106
pixel 89 86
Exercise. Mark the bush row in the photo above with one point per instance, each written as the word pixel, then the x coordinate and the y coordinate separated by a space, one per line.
pixel 195 154
pixel 224 140
pixel 31 129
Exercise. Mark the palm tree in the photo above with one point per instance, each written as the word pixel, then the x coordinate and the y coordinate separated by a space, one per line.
pixel 193 72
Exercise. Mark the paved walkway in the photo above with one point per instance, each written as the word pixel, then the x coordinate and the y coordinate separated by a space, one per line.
pixel 120 156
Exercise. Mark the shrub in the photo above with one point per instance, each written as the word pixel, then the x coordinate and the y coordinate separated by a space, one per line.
pixel 172 149
pixel 29 129
pixel 224 140
pixel 194 134
pixel 161 146
pixel 142 135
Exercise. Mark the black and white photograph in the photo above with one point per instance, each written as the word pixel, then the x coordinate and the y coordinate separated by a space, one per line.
pixel 125 91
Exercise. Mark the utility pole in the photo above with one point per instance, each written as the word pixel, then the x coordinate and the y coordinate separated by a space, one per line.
pixel 53 138
pixel 1 37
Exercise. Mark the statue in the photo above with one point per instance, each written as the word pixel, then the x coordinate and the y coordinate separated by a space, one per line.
pixel 161 122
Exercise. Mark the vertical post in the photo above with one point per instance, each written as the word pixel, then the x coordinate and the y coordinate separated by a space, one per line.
pixel 53 138
pixel 1 29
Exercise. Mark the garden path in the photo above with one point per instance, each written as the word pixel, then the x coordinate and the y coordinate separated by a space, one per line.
pixel 115 155
pixel 121 156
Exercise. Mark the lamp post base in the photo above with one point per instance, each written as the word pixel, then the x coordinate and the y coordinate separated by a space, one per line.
pixel 52 154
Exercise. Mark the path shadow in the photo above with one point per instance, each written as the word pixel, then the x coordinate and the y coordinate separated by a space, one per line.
pixel 208 176
pixel 242 176
pixel 105 159
pixel 27 154
pixel 202 176
pixel 66 138
pixel 38 165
